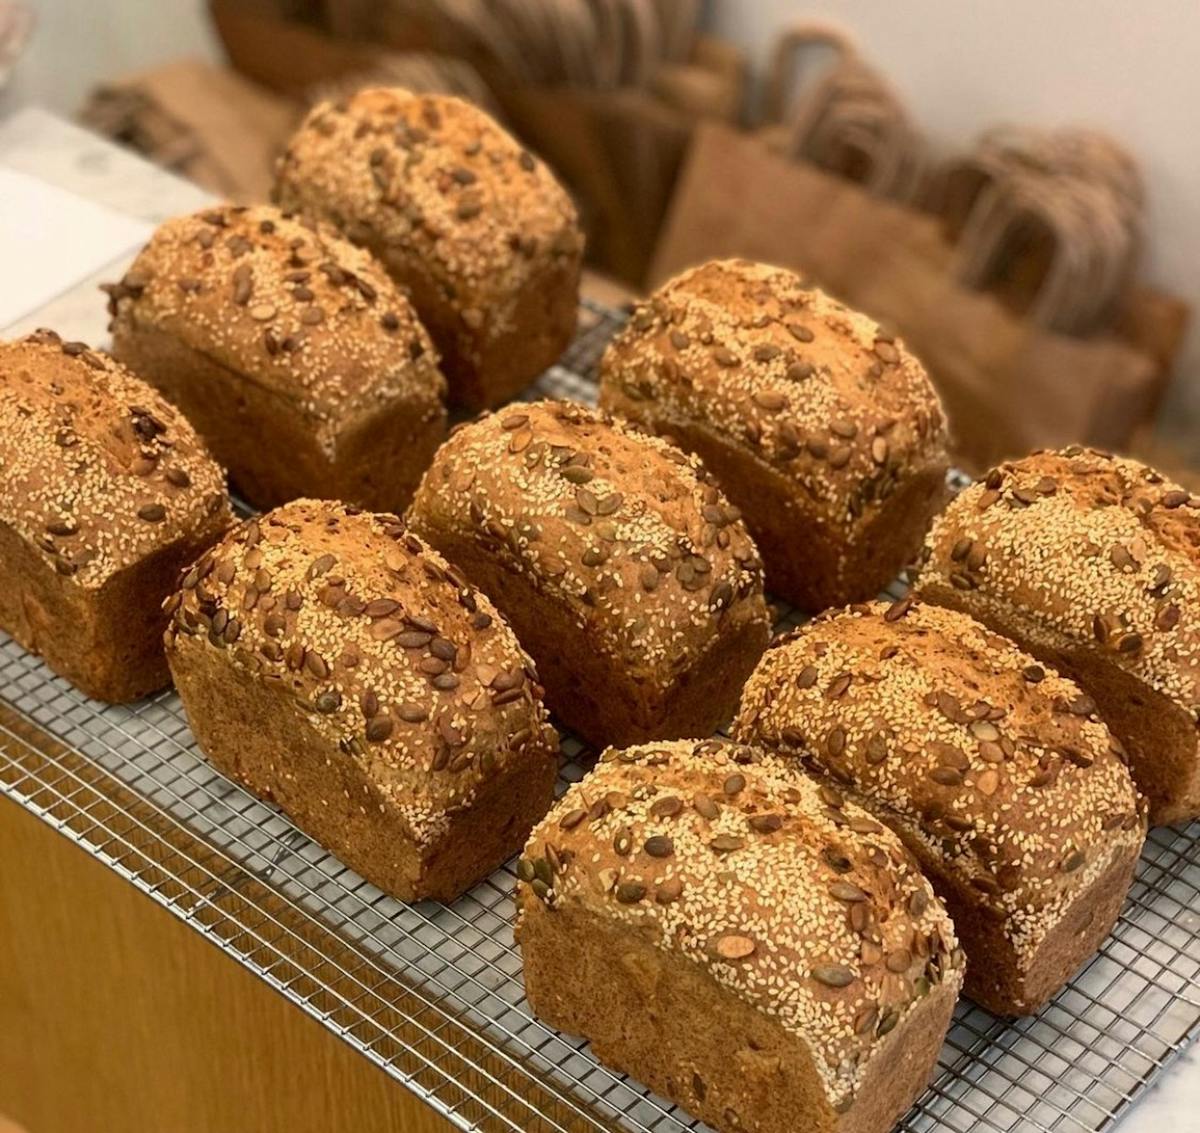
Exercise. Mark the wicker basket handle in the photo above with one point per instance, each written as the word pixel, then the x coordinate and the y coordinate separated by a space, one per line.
pixel 1053 220
pixel 785 70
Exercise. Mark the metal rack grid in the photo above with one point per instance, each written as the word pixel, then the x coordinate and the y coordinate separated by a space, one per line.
pixel 433 994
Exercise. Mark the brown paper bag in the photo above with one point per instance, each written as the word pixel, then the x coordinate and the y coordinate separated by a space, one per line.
pixel 1008 387
pixel 207 123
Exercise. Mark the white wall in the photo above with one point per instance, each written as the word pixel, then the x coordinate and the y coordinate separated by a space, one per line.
pixel 77 42
pixel 1131 67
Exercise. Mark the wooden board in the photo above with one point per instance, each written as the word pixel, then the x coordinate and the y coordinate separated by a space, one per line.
pixel 117 1017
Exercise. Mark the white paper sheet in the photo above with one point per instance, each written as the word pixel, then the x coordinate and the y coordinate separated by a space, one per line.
pixel 51 239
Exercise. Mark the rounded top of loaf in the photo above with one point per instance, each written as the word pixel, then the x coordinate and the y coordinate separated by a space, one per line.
pixel 789 896
pixel 997 766
pixel 618 526
pixel 431 180
pixel 97 469
pixel 815 390
pixel 396 660
pixel 289 305
pixel 1080 548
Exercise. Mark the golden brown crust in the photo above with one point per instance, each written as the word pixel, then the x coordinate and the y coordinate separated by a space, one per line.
pixel 470 223
pixel 98 471
pixel 293 308
pixel 1092 561
pixel 387 655
pixel 782 388
pixel 992 768
pixel 699 1044
pixel 795 901
pixel 620 535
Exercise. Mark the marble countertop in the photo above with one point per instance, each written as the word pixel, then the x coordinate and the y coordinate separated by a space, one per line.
pixel 42 145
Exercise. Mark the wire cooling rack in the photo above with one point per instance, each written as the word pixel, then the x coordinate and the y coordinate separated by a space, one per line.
pixel 433 994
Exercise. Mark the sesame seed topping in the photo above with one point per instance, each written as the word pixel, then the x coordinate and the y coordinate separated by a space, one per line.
pixel 759 915
pixel 1109 560
pixel 99 471
pixel 723 347
pixel 942 732
pixel 435 712
pixel 322 346
pixel 643 552
pixel 444 195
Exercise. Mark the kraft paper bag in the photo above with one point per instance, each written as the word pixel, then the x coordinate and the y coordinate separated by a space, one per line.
pixel 1008 386
pixel 205 122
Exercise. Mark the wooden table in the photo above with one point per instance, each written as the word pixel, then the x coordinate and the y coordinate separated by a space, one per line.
pixel 115 1017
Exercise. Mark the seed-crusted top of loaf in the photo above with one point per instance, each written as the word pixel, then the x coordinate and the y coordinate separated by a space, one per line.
pixel 293 307
pixel 621 527
pixel 435 179
pixel 1000 768
pixel 1081 548
pixel 399 663
pixel 97 470
pixel 792 898
pixel 817 391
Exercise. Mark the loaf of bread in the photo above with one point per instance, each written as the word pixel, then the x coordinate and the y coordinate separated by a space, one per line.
pixel 105 493
pixel 470 224
pixel 334 665
pixel 290 350
pixel 995 772
pixel 1092 564
pixel 620 566
pixel 817 423
pixel 750 945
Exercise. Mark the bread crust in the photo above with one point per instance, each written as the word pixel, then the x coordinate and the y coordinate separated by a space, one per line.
pixel 1092 564
pixel 819 424
pixel 290 350
pixel 474 227
pixel 105 493
pixel 997 774
pixel 619 565
pixel 333 664
pixel 690 883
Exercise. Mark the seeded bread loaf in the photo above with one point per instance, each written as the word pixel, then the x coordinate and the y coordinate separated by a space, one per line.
pixel 1092 564
pixel 475 228
pixel 620 566
pixel 335 666
pixel 996 774
pixel 105 493
pixel 818 424
pixel 290 350
pixel 751 946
